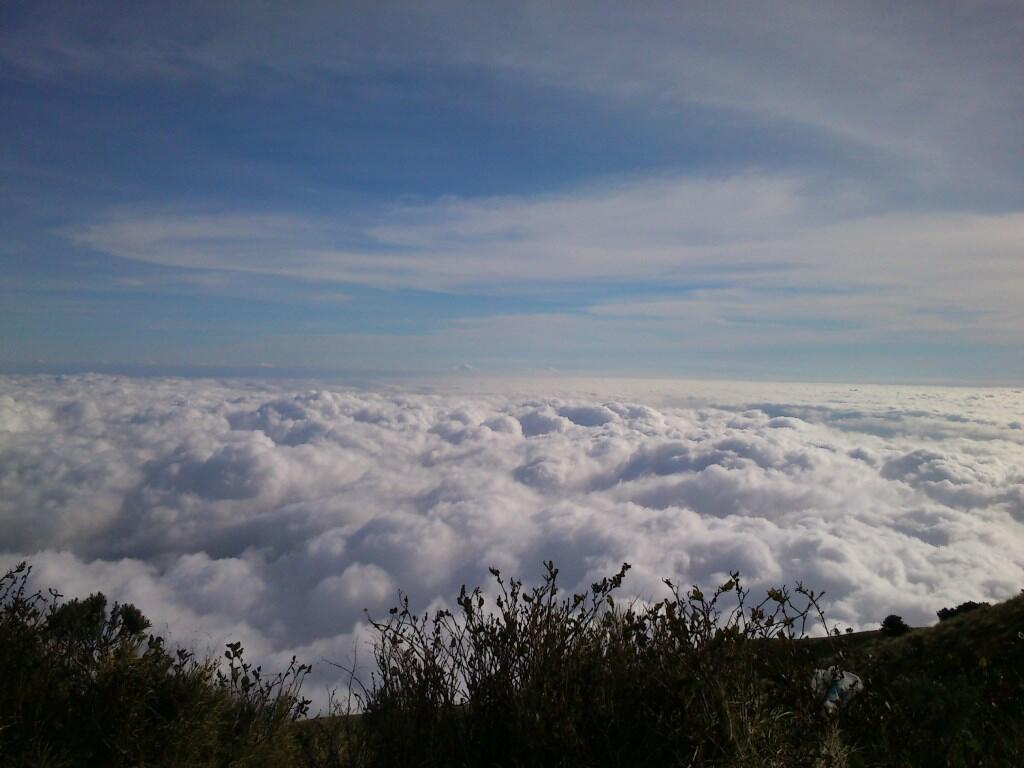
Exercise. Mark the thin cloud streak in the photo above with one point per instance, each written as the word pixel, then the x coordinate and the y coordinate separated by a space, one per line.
pixel 865 75
pixel 766 239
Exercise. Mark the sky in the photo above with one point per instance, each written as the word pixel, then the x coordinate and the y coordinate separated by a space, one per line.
pixel 303 304
pixel 781 191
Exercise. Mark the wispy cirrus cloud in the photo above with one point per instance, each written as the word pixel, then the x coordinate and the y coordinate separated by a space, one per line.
pixel 656 178
pixel 911 83
pixel 739 251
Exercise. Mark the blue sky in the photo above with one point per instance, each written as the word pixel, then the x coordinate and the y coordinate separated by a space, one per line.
pixel 769 191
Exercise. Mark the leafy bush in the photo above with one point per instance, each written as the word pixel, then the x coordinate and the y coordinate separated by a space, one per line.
pixel 541 679
pixel 534 676
pixel 83 685
pixel 894 626
pixel 949 613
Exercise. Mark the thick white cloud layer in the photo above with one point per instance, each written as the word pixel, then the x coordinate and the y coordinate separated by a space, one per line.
pixel 277 514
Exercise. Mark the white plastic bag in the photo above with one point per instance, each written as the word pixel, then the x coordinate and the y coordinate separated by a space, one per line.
pixel 838 686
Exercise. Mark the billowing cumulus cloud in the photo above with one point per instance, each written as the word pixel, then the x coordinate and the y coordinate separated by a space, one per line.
pixel 276 514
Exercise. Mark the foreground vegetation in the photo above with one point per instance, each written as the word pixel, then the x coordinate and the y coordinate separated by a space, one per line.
pixel 537 677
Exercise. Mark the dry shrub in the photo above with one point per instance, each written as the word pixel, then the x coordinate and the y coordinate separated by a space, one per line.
pixel 545 679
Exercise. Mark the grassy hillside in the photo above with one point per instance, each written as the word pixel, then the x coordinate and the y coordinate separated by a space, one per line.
pixel 949 694
pixel 539 677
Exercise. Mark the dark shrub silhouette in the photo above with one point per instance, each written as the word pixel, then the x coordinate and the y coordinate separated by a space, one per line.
pixel 527 676
pixel 949 613
pixel 86 686
pixel 580 680
pixel 894 626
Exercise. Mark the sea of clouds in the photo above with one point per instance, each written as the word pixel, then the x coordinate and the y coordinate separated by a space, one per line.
pixel 275 513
